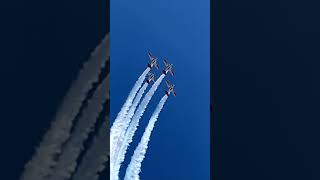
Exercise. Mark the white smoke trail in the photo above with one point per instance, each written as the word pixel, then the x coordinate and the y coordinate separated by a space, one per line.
pixel 126 122
pixel 114 172
pixel 39 166
pixel 134 168
pixel 95 157
pixel 118 123
pixel 68 160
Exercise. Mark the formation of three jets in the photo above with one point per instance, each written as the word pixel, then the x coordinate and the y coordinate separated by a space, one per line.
pixel 167 68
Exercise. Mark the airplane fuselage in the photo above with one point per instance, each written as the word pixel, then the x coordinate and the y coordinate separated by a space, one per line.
pixel 170 90
pixel 167 69
pixel 150 78
pixel 153 62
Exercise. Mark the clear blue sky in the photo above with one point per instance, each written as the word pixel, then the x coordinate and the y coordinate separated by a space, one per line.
pixel 178 30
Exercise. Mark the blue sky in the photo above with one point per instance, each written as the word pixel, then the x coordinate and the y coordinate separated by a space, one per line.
pixel 179 31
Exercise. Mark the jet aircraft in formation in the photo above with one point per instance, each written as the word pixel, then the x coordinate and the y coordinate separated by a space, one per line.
pixel 170 89
pixel 150 77
pixel 168 68
pixel 153 61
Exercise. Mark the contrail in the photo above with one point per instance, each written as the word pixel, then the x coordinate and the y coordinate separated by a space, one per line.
pixel 118 123
pixel 38 167
pixel 127 120
pixel 114 172
pixel 95 157
pixel 68 160
pixel 134 168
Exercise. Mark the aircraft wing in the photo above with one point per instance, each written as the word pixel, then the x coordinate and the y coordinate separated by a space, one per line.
pixel 168 83
pixel 165 62
pixel 174 93
pixel 171 71
pixel 156 65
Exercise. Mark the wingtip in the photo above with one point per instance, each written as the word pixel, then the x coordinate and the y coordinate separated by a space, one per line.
pixel 165 61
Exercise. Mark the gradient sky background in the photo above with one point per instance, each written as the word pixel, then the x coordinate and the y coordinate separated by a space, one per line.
pixel 179 147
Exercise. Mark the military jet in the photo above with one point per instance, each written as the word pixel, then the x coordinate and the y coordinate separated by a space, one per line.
pixel 168 68
pixel 170 89
pixel 150 78
pixel 153 61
